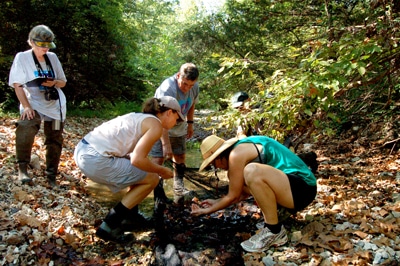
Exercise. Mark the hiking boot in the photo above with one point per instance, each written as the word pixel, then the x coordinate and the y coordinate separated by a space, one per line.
pixel 264 239
pixel 187 197
pixel 52 180
pixel 23 173
pixel 114 235
pixel 179 190
pixel 137 222
pixel 159 194
pixel 53 142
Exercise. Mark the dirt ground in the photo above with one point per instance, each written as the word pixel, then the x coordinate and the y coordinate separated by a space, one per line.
pixel 354 219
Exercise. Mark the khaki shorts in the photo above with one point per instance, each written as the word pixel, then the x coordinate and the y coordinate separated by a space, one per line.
pixel 114 172
pixel 178 145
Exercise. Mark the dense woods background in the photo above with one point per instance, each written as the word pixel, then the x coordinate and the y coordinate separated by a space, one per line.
pixel 305 62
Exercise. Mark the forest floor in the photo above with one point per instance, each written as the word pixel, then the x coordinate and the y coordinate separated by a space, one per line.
pixel 354 220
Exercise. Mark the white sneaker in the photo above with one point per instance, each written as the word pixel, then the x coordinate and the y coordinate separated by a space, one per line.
pixel 265 239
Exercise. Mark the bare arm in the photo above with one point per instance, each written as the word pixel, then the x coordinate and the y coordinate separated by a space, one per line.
pixel 166 144
pixel 238 159
pixel 54 82
pixel 28 112
pixel 190 117
pixel 152 131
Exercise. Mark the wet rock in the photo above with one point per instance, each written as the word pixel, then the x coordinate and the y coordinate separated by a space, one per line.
pixel 168 256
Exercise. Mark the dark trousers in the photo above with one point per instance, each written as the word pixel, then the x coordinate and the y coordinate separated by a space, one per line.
pixel 25 137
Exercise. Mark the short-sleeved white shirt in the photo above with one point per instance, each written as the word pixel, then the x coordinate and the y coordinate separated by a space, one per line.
pixel 24 70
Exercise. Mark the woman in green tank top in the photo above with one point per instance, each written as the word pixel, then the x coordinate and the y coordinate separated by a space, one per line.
pixel 264 168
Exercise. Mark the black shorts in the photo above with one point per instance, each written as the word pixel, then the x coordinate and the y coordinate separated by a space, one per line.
pixel 303 194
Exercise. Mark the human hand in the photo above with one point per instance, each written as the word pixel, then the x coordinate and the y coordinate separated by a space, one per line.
pixel 166 173
pixel 50 82
pixel 197 210
pixel 203 207
pixel 208 203
pixel 190 131
pixel 28 113
pixel 167 152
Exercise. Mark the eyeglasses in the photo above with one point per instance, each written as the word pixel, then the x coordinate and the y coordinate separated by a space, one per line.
pixel 44 44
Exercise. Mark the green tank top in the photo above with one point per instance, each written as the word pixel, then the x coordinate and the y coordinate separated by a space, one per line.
pixel 278 156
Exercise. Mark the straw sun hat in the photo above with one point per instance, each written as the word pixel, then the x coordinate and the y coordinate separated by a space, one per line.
pixel 212 146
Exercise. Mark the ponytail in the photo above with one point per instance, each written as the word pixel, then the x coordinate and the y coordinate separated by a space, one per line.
pixel 153 106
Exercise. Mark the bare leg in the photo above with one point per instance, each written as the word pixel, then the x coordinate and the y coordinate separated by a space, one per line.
pixel 139 191
pixel 269 187
pixel 159 193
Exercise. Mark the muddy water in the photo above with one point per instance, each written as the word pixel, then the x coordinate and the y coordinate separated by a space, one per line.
pixel 104 196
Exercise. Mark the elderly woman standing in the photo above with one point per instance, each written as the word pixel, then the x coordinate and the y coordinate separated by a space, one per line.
pixel 266 169
pixel 116 154
pixel 37 76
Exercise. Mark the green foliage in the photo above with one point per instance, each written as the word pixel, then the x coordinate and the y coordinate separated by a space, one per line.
pixel 160 55
pixel 309 56
pixel 107 111
pixel 304 63
pixel 91 37
pixel 7 114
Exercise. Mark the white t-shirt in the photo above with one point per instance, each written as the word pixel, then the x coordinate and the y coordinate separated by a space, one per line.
pixel 119 136
pixel 24 70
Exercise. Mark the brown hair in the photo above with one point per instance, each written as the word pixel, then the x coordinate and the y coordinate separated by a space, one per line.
pixel 153 106
pixel 189 71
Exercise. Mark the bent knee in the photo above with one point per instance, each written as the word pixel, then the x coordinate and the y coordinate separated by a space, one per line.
pixel 249 169
pixel 153 179
pixel 251 172
pixel 255 172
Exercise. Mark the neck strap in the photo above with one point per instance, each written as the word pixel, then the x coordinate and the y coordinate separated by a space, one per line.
pixel 50 71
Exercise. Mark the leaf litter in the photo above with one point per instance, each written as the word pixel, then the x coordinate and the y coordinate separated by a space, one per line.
pixel 354 219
